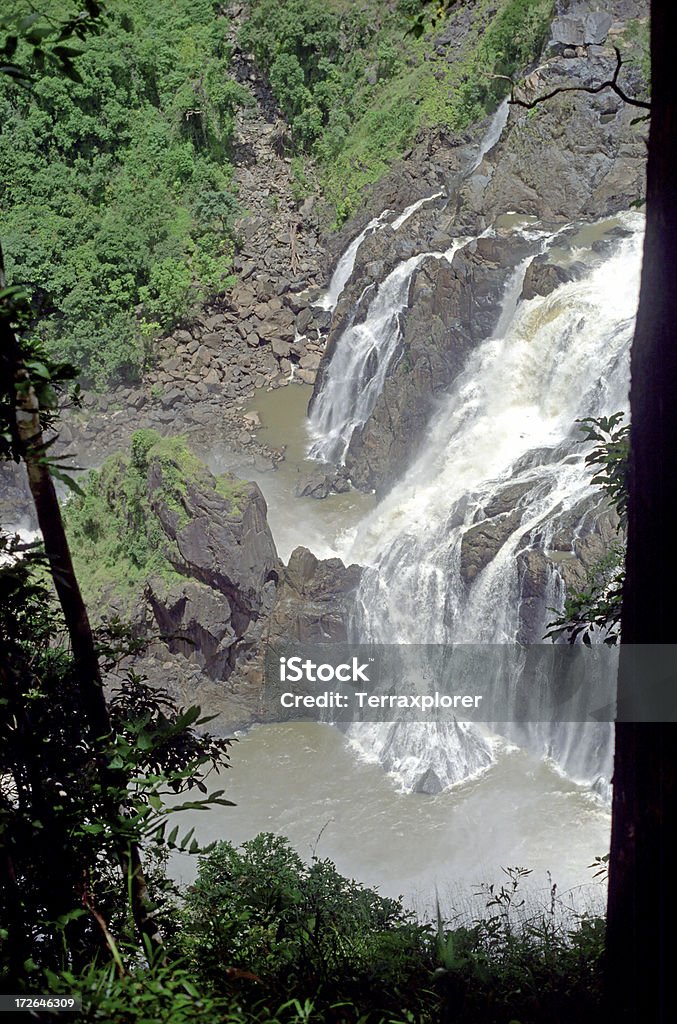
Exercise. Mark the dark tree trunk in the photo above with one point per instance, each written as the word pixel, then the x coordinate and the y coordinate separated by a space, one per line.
pixel 642 913
pixel 90 685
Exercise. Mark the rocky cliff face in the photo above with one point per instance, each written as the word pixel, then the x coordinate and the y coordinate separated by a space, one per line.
pixel 451 309
pixel 575 158
pixel 221 591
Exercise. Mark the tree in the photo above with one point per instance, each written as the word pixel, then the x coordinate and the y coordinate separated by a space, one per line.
pixel 82 779
pixel 642 910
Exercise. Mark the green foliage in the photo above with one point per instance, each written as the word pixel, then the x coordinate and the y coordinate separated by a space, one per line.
pixel 303 930
pixel 611 456
pixel 541 971
pixel 356 83
pixel 52 380
pixel 512 40
pixel 635 48
pixel 70 802
pixel 597 605
pixel 114 527
pixel 165 994
pixel 303 935
pixel 116 200
pixel 45 41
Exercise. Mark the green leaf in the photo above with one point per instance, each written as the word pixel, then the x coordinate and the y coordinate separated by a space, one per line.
pixel 72 484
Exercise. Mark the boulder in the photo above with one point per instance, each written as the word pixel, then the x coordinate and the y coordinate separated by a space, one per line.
pixel 314 599
pixel 310 361
pixel 581 30
pixel 280 348
pixel 482 542
pixel 321 480
pixel 196 623
pixel 280 324
pixel 219 537
pixel 542 277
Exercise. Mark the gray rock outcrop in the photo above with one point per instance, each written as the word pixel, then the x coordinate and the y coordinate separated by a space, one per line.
pixel 452 308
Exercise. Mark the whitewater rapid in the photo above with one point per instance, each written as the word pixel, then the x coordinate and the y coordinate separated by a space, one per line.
pixel 510 418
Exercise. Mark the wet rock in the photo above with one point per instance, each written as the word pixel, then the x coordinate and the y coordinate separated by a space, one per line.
pixel 317 482
pixel 482 542
pixel 314 599
pixel 221 541
pixel 579 539
pixel 451 309
pixel 506 499
pixel 534 571
pixel 542 277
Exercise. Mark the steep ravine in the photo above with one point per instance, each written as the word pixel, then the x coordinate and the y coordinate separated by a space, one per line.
pixel 452 383
pixel 481 231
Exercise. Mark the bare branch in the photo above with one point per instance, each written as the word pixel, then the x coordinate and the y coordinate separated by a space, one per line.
pixel 611 84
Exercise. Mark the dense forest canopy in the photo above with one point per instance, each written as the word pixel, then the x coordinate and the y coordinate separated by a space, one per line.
pixel 117 203
pixel 116 200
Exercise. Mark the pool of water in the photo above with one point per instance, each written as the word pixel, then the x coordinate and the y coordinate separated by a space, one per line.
pixel 303 780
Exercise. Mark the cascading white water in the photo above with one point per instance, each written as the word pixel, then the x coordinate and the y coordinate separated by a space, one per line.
pixel 409 211
pixel 363 353
pixel 510 418
pixel 360 364
pixel 492 134
pixel 344 267
pixel 346 263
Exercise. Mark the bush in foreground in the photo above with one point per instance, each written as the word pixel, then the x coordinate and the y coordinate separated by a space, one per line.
pixel 264 938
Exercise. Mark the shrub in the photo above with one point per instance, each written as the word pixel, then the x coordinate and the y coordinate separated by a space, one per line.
pixel 303 930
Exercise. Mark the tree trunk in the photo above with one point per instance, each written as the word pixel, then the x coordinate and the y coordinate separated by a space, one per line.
pixel 642 912
pixel 50 521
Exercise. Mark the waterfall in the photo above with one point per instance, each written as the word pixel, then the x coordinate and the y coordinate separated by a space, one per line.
pixel 359 367
pixel 363 353
pixel 346 264
pixel 492 134
pixel 410 210
pixel 344 267
pixel 508 420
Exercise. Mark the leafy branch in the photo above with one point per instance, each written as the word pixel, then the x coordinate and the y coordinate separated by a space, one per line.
pixel 46 41
pixel 597 606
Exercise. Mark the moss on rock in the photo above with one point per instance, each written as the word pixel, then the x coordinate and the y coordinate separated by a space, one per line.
pixel 117 538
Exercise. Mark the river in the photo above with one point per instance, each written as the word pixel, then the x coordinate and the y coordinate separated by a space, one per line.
pixel 306 781
pixel 509 418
